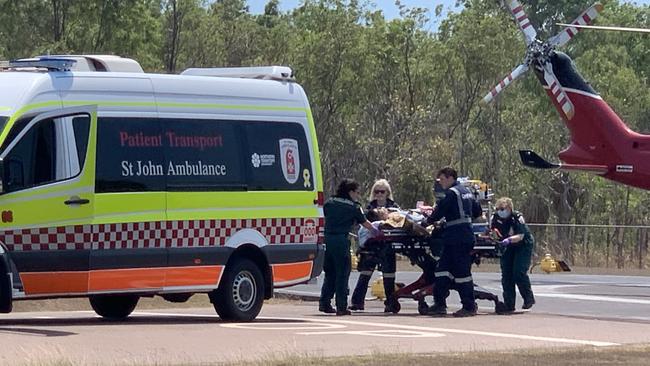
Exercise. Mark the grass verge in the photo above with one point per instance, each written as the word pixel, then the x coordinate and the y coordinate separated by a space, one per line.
pixel 630 355
pixel 588 356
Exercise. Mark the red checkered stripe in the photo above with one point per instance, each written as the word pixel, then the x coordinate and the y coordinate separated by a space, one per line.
pixel 55 238
pixel 158 234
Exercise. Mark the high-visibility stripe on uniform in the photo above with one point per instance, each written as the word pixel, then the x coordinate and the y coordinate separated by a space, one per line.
pixel 463 279
pixel 444 274
pixel 463 218
pixel 366 273
pixel 389 275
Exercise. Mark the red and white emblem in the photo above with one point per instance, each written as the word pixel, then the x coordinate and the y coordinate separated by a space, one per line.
pixel 290 159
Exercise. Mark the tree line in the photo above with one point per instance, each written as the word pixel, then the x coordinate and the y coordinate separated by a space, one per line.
pixel 394 99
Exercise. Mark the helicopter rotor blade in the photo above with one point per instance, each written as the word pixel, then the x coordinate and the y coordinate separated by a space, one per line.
pixel 585 18
pixel 517 72
pixel 559 94
pixel 609 28
pixel 526 27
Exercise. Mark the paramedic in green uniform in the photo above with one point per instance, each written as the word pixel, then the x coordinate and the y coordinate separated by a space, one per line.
pixel 515 261
pixel 341 212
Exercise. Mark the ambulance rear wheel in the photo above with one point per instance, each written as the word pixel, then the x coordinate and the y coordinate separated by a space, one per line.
pixel 114 307
pixel 241 292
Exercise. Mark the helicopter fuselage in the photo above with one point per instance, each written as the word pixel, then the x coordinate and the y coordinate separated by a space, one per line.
pixel 598 135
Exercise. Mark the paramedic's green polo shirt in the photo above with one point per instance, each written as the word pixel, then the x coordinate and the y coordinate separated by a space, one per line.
pixel 341 214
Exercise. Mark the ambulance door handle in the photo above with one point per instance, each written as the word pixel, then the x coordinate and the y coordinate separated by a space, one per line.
pixel 75 200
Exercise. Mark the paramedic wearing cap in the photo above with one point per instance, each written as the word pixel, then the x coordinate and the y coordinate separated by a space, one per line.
pixel 341 212
pixel 515 261
pixel 458 208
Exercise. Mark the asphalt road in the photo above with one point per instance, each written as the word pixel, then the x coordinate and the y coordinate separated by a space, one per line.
pixel 622 298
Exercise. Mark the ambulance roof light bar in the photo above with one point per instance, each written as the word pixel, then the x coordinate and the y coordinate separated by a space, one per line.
pixel 50 63
pixel 280 73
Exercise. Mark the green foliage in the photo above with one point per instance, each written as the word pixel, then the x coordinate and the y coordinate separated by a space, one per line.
pixel 392 98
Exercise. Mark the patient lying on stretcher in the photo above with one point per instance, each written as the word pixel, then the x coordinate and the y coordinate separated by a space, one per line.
pixel 383 219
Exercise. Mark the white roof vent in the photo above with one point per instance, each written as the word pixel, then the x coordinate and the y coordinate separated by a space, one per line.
pixel 282 73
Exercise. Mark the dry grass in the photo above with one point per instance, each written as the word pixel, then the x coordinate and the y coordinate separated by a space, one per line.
pixel 632 355
pixel 624 355
pixel 587 356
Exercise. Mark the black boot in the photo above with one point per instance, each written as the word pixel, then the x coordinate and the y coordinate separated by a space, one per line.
pixel 391 305
pixel 528 304
pixel 437 310
pixel 326 308
pixel 463 313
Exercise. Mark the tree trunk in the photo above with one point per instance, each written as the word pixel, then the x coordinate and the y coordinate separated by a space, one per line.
pixel 173 37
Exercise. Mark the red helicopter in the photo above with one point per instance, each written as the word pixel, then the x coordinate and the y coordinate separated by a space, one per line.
pixel 601 143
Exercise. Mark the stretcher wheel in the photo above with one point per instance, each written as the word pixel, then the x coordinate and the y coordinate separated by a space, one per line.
pixel 423 308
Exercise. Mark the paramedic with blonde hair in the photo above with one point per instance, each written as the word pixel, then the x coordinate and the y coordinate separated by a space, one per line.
pixel 381 196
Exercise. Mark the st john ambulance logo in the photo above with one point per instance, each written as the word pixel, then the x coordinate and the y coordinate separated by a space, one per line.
pixel 290 159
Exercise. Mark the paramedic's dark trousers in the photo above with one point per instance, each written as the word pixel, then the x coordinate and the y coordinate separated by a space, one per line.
pixel 385 259
pixel 454 271
pixel 337 271
pixel 515 262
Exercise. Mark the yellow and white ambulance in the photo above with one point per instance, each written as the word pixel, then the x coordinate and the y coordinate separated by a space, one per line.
pixel 117 184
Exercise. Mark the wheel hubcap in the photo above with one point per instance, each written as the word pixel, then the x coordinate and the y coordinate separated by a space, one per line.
pixel 244 290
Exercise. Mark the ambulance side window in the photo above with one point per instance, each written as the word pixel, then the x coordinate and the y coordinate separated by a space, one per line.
pixel 277 156
pixel 48 152
pixel 130 155
pixel 203 155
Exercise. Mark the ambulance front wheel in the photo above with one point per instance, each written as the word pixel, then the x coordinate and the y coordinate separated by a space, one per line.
pixel 241 292
pixel 114 307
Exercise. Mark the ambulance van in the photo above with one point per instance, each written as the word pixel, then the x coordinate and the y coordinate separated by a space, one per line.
pixel 117 184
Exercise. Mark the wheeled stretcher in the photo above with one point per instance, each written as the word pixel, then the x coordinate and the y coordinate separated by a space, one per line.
pixel 424 252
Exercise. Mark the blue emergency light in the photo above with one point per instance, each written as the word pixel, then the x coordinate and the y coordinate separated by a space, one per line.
pixel 50 63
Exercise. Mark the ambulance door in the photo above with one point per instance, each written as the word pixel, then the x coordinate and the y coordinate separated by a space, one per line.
pixel 47 174
pixel 129 253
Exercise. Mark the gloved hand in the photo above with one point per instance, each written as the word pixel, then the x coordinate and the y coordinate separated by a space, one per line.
pixel 505 242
